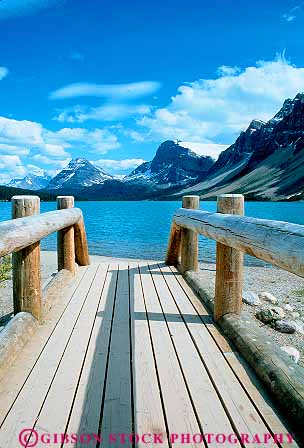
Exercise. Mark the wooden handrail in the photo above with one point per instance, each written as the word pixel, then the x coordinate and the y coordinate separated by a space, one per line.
pixel 19 233
pixel 279 243
pixel 22 235
pixel 276 242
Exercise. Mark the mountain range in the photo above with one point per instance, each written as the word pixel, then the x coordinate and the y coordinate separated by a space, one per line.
pixel 266 162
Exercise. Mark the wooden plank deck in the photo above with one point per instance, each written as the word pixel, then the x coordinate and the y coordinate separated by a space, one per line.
pixel 131 349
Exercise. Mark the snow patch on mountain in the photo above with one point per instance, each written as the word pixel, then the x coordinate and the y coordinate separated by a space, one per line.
pixel 79 173
pixel 33 182
pixel 204 149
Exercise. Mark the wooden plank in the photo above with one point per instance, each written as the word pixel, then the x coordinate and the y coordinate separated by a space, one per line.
pixel 85 415
pixel 18 373
pixel 279 243
pixel 117 409
pixel 37 385
pixel 258 396
pixel 65 382
pixel 217 334
pixel 19 233
pixel 243 414
pixel 209 409
pixel 178 407
pixel 148 412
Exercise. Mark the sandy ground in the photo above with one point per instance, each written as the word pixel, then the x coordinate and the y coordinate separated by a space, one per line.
pixel 283 285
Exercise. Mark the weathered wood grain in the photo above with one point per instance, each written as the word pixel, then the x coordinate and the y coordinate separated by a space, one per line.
pixel 229 264
pixel 19 233
pixel 279 243
pixel 189 240
pixel 174 245
pixel 81 244
pixel 27 291
pixel 65 238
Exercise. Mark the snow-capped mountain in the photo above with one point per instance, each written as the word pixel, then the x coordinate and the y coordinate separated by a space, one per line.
pixel 172 168
pixel 173 165
pixel 31 182
pixel 265 162
pixel 78 174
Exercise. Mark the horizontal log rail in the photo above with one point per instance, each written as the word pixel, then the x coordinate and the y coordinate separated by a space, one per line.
pixel 21 236
pixel 22 232
pixel 276 242
pixel 279 243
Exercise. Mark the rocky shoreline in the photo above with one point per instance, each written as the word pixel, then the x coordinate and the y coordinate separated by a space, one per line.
pixel 277 294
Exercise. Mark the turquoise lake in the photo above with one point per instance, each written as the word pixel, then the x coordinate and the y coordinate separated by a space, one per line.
pixel 141 229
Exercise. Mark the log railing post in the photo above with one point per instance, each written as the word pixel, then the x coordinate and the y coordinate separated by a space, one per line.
pixel 229 264
pixel 174 245
pixel 81 244
pixel 27 292
pixel 65 238
pixel 189 239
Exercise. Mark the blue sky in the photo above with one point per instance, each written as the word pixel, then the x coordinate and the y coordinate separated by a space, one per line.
pixel 110 81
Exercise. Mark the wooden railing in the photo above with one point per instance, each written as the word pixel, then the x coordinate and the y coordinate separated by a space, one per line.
pixel 22 235
pixel 276 242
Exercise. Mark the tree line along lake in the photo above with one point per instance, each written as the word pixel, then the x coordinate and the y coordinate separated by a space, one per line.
pixel 140 229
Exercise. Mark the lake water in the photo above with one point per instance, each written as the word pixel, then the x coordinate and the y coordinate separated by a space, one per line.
pixel 141 229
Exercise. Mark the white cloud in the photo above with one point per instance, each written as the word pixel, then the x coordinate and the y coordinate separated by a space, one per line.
pixel 23 142
pixel 11 166
pixel 216 110
pixel 119 165
pixel 20 131
pixel 110 91
pixel 45 160
pixel 107 112
pixel 4 148
pixel 205 149
pixel 95 140
pixel 292 14
pixel 3 72
pixel 13 8
pixel 55 150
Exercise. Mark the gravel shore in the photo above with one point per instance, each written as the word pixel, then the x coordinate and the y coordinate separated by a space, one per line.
pixel 287 288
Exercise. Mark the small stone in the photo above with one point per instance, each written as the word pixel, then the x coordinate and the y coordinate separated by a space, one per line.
pixel 299 326
pixel 288 307
pixel 295 315
pixel 285 326
pixel 292 352
pixel 251 298
pixel 265 315
pixel 278 312
pixel 268 297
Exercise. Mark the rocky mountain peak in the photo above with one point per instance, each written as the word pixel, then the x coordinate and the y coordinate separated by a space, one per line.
pixel 172 165
pixel 79 173
pixel 256 125
pixel 33 181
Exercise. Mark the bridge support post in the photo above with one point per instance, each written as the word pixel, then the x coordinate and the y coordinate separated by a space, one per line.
pixel 81 244
pixel 229 264
pixel 189 239
pixel 174 245
pixel 65 238
pixel 27 291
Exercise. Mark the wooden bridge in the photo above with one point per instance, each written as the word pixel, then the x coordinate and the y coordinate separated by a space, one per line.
pixel 126 353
